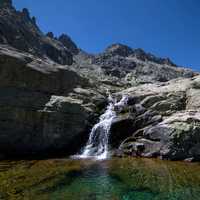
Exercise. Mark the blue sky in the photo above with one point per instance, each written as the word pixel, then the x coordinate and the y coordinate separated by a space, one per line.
pixel 167 28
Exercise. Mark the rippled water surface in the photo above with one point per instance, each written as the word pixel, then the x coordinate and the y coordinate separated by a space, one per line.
pixel 115 179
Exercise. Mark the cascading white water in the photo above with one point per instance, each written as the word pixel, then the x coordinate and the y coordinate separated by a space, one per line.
pixel 97 145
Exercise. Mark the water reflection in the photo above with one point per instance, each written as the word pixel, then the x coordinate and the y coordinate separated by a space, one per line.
pixel 115 179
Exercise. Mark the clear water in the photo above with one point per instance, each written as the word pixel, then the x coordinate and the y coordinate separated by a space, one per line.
pixel 98 143
pixel 112 179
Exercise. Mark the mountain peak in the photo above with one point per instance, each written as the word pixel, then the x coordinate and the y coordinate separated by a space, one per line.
pixel 68 43
pixel 19 30
pixel 119 49
pixel 125 51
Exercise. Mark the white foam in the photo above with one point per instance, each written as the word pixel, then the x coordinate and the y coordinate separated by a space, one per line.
pixel 97 146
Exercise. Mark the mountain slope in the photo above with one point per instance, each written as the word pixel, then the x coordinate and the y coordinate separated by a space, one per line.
pixel 20 30
pixel 120 64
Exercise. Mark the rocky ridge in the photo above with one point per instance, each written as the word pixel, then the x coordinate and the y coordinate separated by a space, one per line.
pixel 19 29
pixel 122 66
pixel 52 93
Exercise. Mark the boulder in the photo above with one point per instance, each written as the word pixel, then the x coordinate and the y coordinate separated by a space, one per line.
pixel 170 126
pixel 176 138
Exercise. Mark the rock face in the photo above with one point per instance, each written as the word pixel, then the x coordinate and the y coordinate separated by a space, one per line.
pixel 138 66
pixel 52 92
pixel 19 30
pixel 168 126
pixel 37 114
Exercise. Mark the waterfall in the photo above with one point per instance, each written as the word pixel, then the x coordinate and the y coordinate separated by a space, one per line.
pixel 98 143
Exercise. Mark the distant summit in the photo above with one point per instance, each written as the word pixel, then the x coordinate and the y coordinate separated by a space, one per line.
pixel 124 51
pixel 119 49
